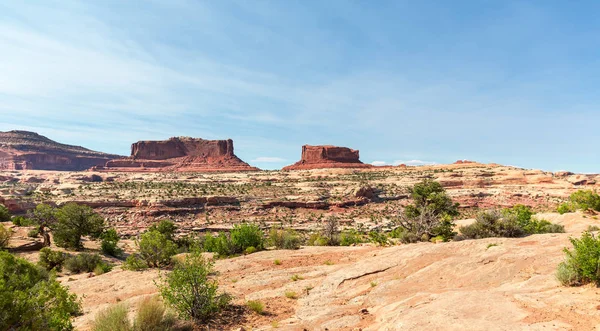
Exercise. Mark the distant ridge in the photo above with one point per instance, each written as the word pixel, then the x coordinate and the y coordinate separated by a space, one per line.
pixel 25 150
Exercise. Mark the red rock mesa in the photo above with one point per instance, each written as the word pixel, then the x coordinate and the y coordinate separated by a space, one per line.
pixel 315 157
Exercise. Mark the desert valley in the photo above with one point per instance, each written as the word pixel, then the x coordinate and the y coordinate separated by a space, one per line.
pixel 341 245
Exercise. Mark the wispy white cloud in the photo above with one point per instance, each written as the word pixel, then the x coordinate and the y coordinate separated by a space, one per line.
pixel 378 163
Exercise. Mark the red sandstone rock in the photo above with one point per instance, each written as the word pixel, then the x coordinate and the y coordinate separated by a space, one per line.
pixel 464 162
pixel 315 157
pixel 23 150
pixel 181 154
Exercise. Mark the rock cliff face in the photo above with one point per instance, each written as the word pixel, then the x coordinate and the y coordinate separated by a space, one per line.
pixel 314 157
pixel 181 154
pixel 24 150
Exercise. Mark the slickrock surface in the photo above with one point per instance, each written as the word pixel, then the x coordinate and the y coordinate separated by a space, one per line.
pixel 316 157
pixel 181 154
pixel 488 284
pixel 23 150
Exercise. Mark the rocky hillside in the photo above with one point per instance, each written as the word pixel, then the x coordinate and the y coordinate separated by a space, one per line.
pixel 24 150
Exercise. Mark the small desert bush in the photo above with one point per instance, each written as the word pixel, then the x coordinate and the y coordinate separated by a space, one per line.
pixel 156 249
pixel 113 318
pixel 256 306
pixel 582 263
pixel 85 262
pixel 285 239
pixel 593 228
pixel 219 244
pixel 4 214
pixel 350 237
pixel 33 233
pixel 378 238
pixel 5 235
pixel 153 316
pixel 22 221
pixel 52 260
pixel 110 239
pixel 317 239
pixel 511 223
pixel 291 295
pixel 190 291
pixel 135 263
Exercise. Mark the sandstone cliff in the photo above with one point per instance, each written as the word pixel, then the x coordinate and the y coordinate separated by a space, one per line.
pixel 314 157
pixel 24 150
pixel 181 154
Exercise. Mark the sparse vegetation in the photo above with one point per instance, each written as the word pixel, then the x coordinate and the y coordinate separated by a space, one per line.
pixel 52 260
pixel 296 278
pixel 156 249
pixel 284 239
pixel 511 223
pixel 32 300
pixel 243 238
pixel 85 262
pixel 151 316
pixel 581 200
pixel 277 262
pixel 582 263
pixel 291 295
pixel 256 306
pixel 189 290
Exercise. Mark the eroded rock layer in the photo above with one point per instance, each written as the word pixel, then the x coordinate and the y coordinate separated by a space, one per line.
pixel 24 150
pixel 181 154
pixel 315 157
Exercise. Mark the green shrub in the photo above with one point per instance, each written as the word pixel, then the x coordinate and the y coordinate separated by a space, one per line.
pixel 316 239
pixel 350 237
pixel 85 262
pixel 75 221
pixel 585 200
pixel 4 214
pixel 52 260
pixel 113 318
pixel 31 300
pixel 564 208
pixel 256 306
pixel 166 227
pixel 522 214
pixel 134 263
pixel 535 226
pixel 378 238
pixel 22 221
pixel 492 223
pixel 156 249
pixel 110 239
pixel 247 235
pixel 582 263
pixel 189 290
pixel 430 214
pixel 285 239
pixel 219 244
pixel 5 235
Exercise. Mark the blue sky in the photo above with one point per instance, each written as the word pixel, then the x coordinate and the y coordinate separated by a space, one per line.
pixel 431 81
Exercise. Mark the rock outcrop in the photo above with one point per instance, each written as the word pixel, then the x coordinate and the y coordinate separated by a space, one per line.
pixel 24 150
pixel 181 154
pixel 315 157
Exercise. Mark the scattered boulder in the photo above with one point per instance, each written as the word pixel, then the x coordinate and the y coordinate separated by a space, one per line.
pixel 366 191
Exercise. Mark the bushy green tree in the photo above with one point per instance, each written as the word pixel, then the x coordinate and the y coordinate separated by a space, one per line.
pixel 156 249
pixel 189 290
pixel 52 260
pixel 75 221
pixel 45 217
pixel 244 236
pixel 32 300
pixel 430 214
pixel 582 200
